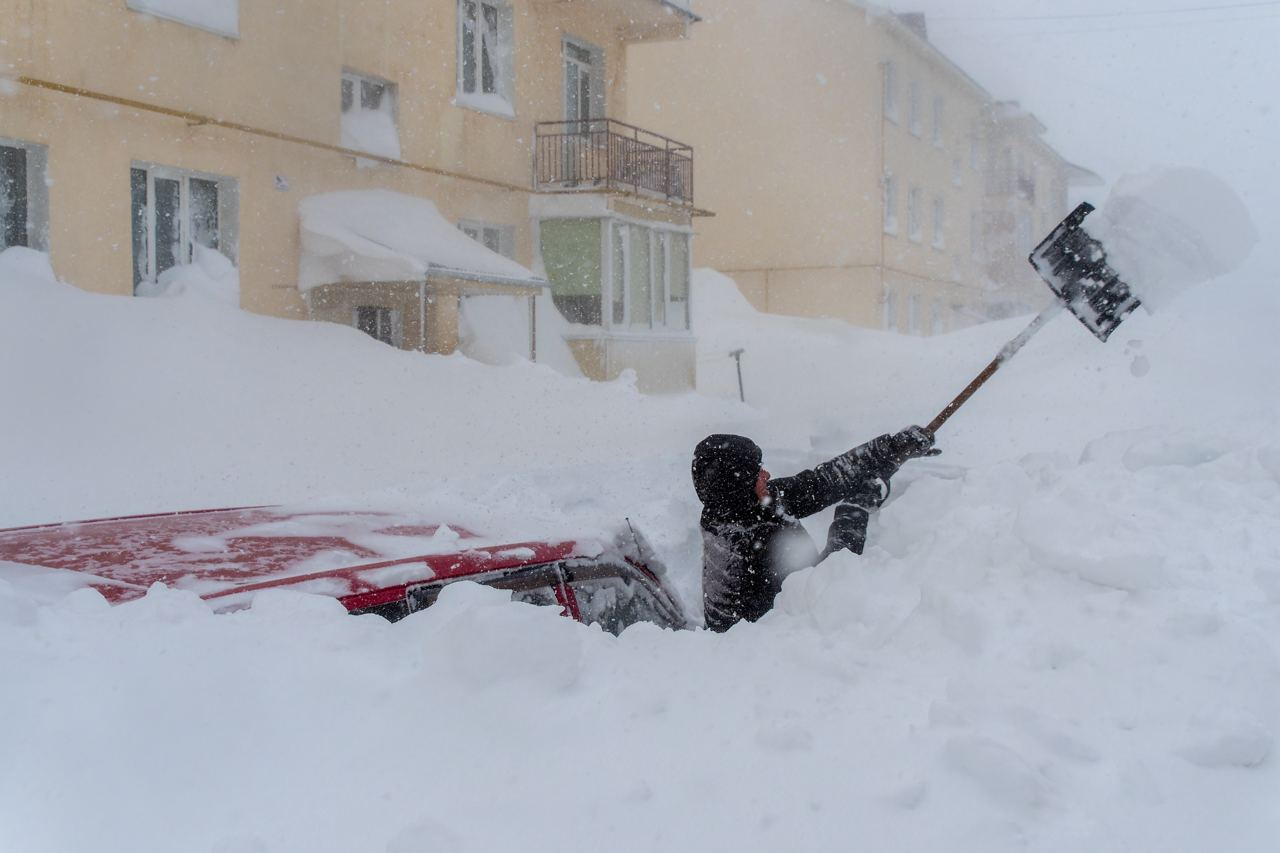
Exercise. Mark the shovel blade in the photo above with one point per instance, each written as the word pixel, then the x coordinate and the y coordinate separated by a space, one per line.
pixel 1074 265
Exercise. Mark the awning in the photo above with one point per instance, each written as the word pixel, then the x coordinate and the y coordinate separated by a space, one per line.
pixel 380 235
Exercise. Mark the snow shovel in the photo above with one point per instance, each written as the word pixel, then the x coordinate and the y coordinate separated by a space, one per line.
pixel 1074 265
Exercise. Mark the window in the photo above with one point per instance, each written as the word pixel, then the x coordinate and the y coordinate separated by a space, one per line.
pixel 216 16
pixel 913 314
pixel 890 318
pixel 939 223
pixel 495 238
pixel 890 205
pixel 914 230
pixel 890 93
pixel 369 115
pixel 938 107
pixel 583 82
pixel 913 108
pixel 382 324
pixel 649 278
pixel 24 195
pixel 484 56
pixel 571 253
pixel 975 155
pixel 617 274
pixel 174 211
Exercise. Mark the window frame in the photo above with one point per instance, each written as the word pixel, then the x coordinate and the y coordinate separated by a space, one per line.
pixel 915 228
pixel 503 62
pixel 939 211
pixel 662 308
pixel 228 216
pixel 390 319
pixel 939 107
pixel 36 168
pixel 358 79
pixel 914 125
pixel 889 201
pixel 889 95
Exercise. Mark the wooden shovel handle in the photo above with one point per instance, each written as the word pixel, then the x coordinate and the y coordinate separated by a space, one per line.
pixel 1005 354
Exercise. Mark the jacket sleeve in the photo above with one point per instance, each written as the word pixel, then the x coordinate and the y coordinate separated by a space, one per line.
pixel 846 477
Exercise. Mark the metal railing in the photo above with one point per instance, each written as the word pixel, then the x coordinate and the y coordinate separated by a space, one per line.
pixel 573 156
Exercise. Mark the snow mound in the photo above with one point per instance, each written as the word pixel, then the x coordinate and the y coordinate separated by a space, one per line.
pixel 210 275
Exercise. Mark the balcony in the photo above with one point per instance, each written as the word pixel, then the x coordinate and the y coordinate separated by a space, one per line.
pixel 604 155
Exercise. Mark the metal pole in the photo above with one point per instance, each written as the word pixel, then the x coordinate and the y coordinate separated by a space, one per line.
pixel 736 355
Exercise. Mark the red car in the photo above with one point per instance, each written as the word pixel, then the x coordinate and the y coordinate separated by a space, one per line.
pixel 373 562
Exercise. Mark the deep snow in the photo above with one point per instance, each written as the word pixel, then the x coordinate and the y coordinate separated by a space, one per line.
pixel 1062 636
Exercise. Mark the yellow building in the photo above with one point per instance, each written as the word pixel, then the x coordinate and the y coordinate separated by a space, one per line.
pixel 856 172
pixel 321 145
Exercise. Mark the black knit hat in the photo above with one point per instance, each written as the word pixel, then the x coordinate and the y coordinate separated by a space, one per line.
pixel 725 467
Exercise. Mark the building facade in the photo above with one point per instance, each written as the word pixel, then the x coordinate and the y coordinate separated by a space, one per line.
pixel 321 145
pixel 856 172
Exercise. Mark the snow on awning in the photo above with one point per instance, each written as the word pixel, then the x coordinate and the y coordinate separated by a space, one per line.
pixel 380 235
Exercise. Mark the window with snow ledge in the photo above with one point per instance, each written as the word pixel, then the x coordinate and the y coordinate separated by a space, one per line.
pixel 495 238
pixel 485 46
pixel 369 115
pixel 217 16
pixel 24 195
pixel 175 210
pixel 890 204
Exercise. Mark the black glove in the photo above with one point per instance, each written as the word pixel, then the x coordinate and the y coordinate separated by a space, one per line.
pixel 848 529
pixel 888 452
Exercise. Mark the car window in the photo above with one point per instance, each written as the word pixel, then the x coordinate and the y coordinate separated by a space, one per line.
pixel 613 603
pixel 543 596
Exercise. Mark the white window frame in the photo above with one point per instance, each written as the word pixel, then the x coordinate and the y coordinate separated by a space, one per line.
pixel 915 230
pixel 228 214
pixel 37 169
pixel 167 12
pixel 500 101
pixel 890 203
pixel 597 108
pixel 490 235
pixel 388 320
pixel 889 97
pixel 939 223
pixel 659 278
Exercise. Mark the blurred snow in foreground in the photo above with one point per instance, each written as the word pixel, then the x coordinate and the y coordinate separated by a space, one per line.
pixel 1063 635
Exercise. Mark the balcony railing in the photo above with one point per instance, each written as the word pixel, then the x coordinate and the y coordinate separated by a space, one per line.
pixel 575 156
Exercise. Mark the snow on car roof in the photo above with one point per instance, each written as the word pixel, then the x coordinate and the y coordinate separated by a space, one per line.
pixel 220 552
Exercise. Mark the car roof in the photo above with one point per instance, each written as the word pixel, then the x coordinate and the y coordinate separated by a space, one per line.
pixel 361 557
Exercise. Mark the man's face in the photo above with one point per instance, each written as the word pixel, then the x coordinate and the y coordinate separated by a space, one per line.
pixel 762 484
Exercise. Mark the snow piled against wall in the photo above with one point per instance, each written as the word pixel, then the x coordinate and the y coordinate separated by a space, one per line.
pixel 1062 637
pixel 221 16
pixel 210 275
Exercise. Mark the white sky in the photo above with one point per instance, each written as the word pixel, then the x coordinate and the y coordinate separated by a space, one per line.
pixel 1124 85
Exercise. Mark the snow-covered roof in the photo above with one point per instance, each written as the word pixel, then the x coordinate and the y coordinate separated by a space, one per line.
pixel 380 235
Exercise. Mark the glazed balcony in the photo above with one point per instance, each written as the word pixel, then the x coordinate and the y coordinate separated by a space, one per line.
pixel 604 155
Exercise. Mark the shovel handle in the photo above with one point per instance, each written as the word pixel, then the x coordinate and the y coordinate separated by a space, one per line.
pixel 1050 311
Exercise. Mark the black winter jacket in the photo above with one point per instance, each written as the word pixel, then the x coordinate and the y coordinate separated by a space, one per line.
pixel 749 547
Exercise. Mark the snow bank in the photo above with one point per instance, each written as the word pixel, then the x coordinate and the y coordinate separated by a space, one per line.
pixel 494 329
pixel 211 275
pixel 1169 229
pixel 380 235
pixel 373 131
pixel 1062 637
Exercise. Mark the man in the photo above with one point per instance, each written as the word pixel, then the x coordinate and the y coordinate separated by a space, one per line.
pixel 751 538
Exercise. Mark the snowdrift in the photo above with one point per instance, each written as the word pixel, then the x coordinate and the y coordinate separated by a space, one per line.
pixel 1062 636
